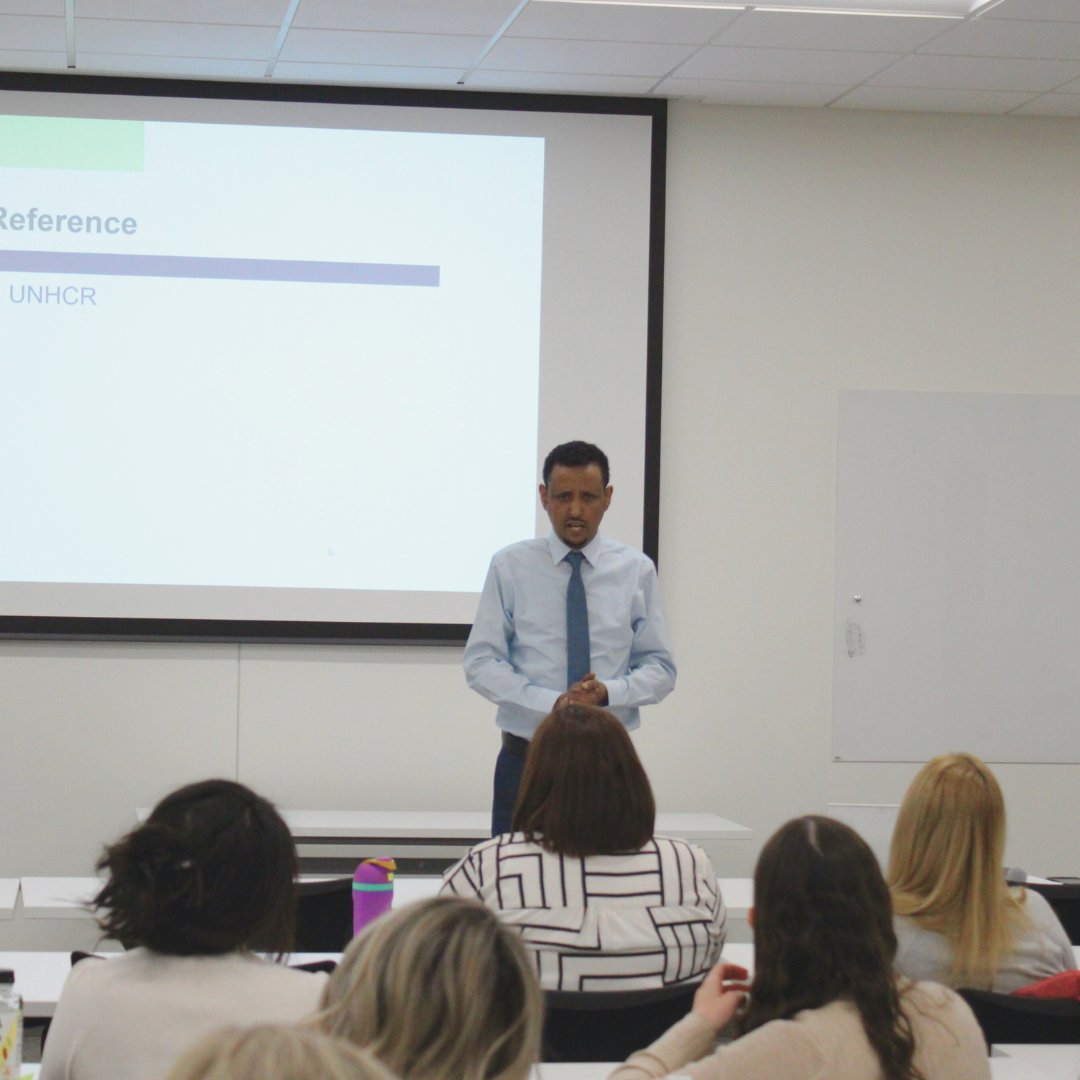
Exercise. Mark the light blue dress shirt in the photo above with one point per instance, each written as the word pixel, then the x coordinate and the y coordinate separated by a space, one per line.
pixel 516 653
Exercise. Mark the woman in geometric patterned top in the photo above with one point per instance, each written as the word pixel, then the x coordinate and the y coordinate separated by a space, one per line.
pixel 599 902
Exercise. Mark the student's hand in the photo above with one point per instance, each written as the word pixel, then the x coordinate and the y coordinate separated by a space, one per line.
pixel 720 994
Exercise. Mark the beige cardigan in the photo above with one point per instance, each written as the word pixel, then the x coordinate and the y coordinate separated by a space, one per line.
pixel 826 1043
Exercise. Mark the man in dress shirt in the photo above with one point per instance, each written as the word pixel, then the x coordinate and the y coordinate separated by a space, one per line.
pixel 516 655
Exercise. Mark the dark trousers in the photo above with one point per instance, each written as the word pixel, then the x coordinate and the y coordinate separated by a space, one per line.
pixel 509 766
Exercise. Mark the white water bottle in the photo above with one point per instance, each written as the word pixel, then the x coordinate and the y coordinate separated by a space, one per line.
pixel 11 1017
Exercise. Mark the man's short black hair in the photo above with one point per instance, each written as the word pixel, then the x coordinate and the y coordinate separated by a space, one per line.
pixel 576 455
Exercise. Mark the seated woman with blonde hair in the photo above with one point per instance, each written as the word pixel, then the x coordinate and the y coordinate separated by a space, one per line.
pixel 438 990
pixel 957 921
pixel 277 1052
pixel 825 1003
pixel 600 902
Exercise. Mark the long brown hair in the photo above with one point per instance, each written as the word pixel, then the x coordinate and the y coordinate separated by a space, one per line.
pixel 823 930
pixel 946 864
pixel 584 790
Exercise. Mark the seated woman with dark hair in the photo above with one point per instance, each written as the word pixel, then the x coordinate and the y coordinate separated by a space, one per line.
pixel 825 1003
pixel 207 879
pixel 599 901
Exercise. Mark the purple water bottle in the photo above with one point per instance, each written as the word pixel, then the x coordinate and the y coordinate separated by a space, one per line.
pixel 373 891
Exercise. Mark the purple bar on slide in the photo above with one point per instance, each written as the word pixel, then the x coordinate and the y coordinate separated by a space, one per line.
pixel 192 266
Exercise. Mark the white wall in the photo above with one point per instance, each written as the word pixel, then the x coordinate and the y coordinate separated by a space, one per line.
pixel 807 251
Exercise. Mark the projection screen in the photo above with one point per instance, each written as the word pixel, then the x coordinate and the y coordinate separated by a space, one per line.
pixel 287 369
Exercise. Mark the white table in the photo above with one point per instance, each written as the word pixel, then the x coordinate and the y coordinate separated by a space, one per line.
pixel 743 954
pixel 58 897
pixel 66 897
pixel 1009 1063
pixel 738 895
pixel 457 828
pixel 9 894
pixel 465 827
pixel 1035 1062
pixel 40 975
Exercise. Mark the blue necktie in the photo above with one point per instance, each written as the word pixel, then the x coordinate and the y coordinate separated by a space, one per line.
pixel 577 623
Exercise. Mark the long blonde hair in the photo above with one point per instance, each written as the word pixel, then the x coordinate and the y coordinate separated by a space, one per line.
pixel 946 864
pixel 439 990
pixel 277 1052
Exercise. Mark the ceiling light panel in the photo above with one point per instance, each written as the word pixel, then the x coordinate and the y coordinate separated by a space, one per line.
pixel 939 9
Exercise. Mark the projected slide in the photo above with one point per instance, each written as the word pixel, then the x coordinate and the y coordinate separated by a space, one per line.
pixel 266 356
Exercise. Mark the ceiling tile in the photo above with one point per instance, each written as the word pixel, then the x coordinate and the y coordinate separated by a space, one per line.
pixel 186 67
pixel 1059 10
pixel 978 73
pixel 384 50
pixel 783 65
pixel 32 32
pixel 1069 87
pixel 476 17
pixel 1052 105
pixel 792 30
pixel 31 60
pixel 235 12
pixel 591 22
pixel 554 83
pixel 1020 49
pixel 32 7
pixel 366 74
pixel 990 37
pixel 585 57
pixel 122 36
pixel 927 100
pixel 721 92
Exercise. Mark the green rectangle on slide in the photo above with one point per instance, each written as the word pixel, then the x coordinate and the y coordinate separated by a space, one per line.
pixel 62 142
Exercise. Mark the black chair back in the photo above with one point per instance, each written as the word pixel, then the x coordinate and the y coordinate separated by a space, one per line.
pixel 588 1025
pixel 324 915
pixel 1008 1019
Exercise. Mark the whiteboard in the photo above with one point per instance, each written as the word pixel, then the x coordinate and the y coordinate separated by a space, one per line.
pixel 957 603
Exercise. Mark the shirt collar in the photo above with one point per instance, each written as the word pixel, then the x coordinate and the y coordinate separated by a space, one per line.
pixel 559 550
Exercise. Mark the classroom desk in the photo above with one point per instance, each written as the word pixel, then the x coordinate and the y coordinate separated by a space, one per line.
pixel 40 975
pixel 743 954
pixel 9 893
pixel 66 897
pixel 1035 1062
pixel 58 897
pixel 1008 1063
pixel 457 828
pixel 465 826
pixel 738 895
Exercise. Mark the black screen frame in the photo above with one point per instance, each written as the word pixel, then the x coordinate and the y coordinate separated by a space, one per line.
pixel 26 627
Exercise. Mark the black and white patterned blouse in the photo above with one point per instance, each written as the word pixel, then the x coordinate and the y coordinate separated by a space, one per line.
pixel 605 922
